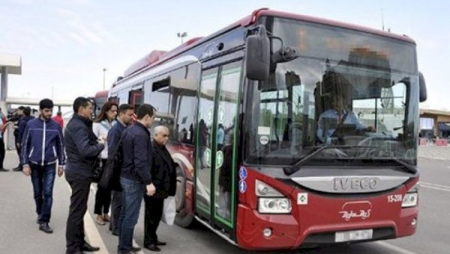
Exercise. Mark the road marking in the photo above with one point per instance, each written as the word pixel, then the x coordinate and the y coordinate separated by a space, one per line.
pixel 395 248
pixel 91 230
pixel 94 189
pixel 137 245
pixel 435 186
pixel 93 235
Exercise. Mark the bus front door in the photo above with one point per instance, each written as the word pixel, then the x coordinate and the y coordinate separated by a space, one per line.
pixel 216 143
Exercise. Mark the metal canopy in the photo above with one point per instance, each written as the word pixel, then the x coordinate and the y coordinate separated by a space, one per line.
pixel 13 64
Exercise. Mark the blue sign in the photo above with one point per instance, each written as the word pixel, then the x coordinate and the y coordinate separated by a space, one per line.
pixel 243 173
pixel 242 186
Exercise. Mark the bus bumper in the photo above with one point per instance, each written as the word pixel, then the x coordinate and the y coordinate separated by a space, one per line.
pixel 286 232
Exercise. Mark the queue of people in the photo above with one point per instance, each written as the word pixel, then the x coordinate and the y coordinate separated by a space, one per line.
pixel 82 152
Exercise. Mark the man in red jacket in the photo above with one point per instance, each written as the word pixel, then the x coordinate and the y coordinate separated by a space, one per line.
pixel 58 118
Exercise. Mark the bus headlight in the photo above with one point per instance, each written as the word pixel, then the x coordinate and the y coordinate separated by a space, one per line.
pixel 274 205
pixel 264 190
pixel 270 200
pixel 410 200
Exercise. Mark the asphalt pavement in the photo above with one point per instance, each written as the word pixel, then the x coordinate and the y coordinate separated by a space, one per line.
pixel 19 232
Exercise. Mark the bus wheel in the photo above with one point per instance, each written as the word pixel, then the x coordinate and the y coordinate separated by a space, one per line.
pixel 183 218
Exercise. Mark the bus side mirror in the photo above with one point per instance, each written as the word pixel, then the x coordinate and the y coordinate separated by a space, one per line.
pixel 257 57
pixel 422 88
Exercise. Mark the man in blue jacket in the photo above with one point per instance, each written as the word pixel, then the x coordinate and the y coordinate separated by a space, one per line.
pixel 126 112
pixel 136 180
pixel 42 148
pixel 82 149
pixel 21 125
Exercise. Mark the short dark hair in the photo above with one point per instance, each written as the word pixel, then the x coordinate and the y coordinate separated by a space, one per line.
pixel 45 103
pixel 124 107
pixel 80 102
pixel 21 108
pixel 27 111
pixel 59 113
pixel 145 109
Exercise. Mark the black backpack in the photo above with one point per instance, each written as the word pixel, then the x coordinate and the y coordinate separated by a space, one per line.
pixel 110 178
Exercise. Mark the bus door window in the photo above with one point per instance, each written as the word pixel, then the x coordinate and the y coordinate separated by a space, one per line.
pixel 226 137
pixel 203 145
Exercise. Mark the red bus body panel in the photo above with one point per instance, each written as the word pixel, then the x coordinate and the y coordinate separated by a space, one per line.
pixel 321 214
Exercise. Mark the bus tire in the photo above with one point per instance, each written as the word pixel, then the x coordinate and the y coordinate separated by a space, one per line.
pixel 183 218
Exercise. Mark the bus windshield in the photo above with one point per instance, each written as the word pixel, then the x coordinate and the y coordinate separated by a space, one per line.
pixel 346 89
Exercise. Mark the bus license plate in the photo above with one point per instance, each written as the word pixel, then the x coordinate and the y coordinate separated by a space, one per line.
pixel 354 235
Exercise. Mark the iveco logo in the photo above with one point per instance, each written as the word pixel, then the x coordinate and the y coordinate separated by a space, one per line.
pixel 355 183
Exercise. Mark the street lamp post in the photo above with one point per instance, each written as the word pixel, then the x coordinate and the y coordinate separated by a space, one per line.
pixel 104 71
pixel 181 36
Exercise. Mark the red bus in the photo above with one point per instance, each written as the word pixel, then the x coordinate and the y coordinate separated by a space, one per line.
pixel 288 130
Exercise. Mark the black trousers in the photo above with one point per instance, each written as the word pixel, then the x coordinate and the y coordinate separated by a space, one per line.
pixel 2 152
pixel 80 186
pixel 102 197
pixel 19 150
pixel 116 207
pixel 153 213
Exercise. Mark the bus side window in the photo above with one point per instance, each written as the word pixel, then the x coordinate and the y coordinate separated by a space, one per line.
pixel 184 102
pixel 161 95
pixel 160 99
pixel 136 98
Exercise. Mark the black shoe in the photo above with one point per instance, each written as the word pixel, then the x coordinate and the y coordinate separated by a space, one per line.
pixel 17 169
pixel 46 228
pixel 115 232
pixel 152 247
pixel 3 170
pixel 77 252
pixel 158 243
pixel 132 251
pixel 135 249
pixel 89 248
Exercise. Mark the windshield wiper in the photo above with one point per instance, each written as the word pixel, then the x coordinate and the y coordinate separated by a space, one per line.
pixel 296 167
pixel 399 162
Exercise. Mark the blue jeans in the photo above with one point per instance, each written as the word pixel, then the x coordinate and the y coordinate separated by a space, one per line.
pixel 43 178
pixel 132 195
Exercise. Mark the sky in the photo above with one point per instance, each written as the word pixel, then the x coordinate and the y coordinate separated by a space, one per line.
pixel 66 44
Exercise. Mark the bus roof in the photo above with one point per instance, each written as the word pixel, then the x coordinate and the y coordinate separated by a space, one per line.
pixel 157 57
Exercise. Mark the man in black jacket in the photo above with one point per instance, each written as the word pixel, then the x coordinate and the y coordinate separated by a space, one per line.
pixel 126 112
pixel 21 125
pixel 82 148
pixel 16 119
pixel 135 179
pixel 164 178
